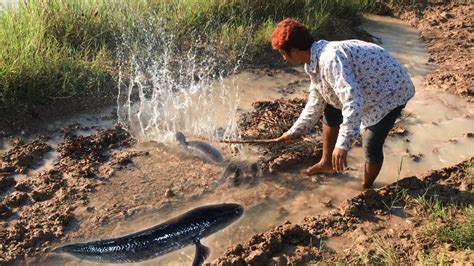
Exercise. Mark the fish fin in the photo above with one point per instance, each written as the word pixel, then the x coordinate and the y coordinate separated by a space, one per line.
pixel 202 252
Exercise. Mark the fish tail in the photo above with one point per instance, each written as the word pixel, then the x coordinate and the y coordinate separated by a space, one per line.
pixel 57 250
pixel 83 251
pixel 74 248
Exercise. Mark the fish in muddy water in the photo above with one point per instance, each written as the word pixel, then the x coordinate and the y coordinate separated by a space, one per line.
pixel 203 147
pixel 179 232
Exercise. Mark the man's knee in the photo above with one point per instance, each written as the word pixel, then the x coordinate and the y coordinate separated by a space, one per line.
pixel 332 116
pixel 372 144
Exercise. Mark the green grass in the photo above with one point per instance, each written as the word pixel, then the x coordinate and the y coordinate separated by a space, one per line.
pixel 458 233
pixel 65 49
pixel 433 258
pixel 447 223
pixel 467 169
pixel 379 254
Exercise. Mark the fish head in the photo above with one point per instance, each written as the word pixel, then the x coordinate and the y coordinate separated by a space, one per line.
pixel 181 138
pixel 220 216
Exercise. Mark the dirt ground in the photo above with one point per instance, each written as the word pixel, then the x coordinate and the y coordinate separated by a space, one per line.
pixel 278 116
pixel 447 31
pixel 37 208
pixel 415 220
pixel 395 224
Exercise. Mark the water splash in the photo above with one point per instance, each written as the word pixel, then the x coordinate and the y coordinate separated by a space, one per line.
pixel 164 89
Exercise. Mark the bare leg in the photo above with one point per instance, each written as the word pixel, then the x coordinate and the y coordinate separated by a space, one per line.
pixel 329 141
pixel 370 174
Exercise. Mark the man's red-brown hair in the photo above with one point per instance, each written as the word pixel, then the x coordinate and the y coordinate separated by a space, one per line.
pixel 289 34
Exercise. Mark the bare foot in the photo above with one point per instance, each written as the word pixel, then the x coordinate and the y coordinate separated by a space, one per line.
pixel 319 168
pixel 366 186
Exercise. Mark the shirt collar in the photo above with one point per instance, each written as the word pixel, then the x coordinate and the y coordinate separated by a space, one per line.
pixel 316 49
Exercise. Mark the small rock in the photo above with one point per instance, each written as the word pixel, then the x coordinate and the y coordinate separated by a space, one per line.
pixel 256 257
pixel 277 261
pixel 416 157
pixel 453 140
pixel 283 211
pixel 41 195
pixel 16 199
pixel 23 186
pixel 237 261
pixel 169 193
pixel 328 202
pixel 5 212
pixel 6 182
pixel 469 135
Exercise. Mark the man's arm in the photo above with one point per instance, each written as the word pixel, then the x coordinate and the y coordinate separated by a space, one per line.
pixel 310 114
pixel 340 76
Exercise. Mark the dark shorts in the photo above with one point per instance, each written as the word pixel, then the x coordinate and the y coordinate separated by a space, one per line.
pixel 374 136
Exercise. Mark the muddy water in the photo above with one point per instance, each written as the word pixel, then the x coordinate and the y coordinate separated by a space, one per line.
pixel 435 121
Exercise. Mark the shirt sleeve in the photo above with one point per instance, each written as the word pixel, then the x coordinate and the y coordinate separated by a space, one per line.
pixel 310 114
pixel 341 78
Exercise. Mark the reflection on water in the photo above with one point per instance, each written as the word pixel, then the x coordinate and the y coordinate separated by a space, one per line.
pixel 436 121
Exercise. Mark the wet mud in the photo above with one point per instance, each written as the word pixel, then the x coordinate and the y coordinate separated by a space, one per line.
pixel 390 214
pixel 22 156
pixel 389 225
pixel 448 35
pixel 103 180
pixel 82 156
pixel 270 119
pixel 38 209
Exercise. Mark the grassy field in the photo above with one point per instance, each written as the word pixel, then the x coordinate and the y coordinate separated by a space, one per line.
pixel 56 51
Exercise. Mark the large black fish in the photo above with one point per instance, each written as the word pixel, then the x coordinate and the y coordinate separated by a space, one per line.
pixel 186 229
pixel 201 146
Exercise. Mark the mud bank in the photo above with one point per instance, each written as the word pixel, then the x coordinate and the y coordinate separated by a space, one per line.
pixel 419 219
pixel 448 35
pixel 270 119
pixel 37 204
pixel 393 219
pixel 105 185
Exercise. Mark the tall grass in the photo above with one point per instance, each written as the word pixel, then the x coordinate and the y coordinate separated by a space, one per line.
pixel 64 49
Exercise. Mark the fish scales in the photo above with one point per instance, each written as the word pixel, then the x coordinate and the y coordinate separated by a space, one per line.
pixel 169 236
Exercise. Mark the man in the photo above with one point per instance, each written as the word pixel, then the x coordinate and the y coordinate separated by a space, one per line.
pixel 354 84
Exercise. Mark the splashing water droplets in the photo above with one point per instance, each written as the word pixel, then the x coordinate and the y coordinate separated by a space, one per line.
pixel 163 90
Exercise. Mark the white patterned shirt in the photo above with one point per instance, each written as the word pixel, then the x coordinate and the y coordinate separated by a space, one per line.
pixel 360 78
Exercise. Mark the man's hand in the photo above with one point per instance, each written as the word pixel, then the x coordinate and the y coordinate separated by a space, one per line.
pixel 283 138
pixel 339 160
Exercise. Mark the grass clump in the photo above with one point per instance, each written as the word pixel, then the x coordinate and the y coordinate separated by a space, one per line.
pixel 459 234
pixel 468 171
pixel 433 258
pixel 447 223
pixel 55 50
pixel 378 254
pixel 52 50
